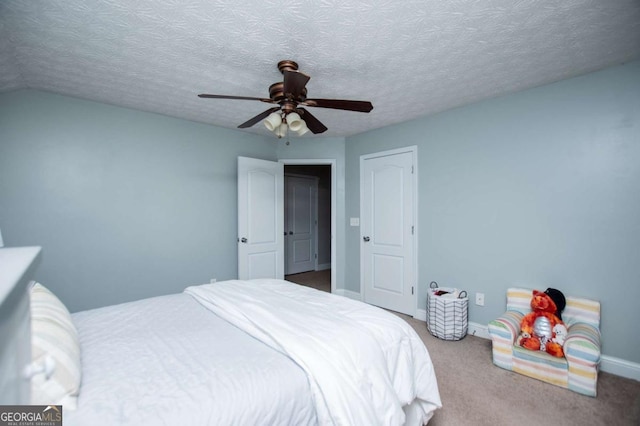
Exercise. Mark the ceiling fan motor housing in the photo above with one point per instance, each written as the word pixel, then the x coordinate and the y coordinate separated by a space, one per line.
pixel 276 93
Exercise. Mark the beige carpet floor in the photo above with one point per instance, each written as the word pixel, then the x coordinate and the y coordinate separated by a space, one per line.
pixel 474 392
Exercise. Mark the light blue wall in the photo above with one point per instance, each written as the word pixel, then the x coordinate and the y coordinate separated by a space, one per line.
pixel 330 149
pixel 126 204
pixel 539 188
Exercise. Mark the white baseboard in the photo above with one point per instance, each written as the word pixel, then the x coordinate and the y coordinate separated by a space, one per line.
pixel 348 293
pixel 478 330
pixel 608 364
pixel 323 266
pixel 474 329
pixel 620 367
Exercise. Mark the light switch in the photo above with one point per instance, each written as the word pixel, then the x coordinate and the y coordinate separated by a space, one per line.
pixel 355 221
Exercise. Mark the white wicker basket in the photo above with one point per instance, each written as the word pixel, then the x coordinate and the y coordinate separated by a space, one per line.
pixel 447 315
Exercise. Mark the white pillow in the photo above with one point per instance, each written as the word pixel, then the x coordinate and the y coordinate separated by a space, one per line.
pixel 53 338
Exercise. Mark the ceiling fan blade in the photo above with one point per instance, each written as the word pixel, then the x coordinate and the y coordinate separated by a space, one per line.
pixel 294 82
pixel 258 117
pixel 243 98
pixel 312 123
pixel 360 106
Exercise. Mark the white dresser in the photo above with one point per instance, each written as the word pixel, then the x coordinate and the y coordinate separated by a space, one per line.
pixel 17 266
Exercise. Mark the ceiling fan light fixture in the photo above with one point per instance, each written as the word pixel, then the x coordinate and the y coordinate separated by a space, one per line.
pixel 294 121
pixel 273 121
pixel 303 128
pixel 281 130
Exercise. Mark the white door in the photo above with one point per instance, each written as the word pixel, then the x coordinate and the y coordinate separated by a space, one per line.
pixel 388 270
pixel 300 224
pixel 260 219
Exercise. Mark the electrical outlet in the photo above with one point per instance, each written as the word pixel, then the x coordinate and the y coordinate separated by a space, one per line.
pixel 480 299
pixel 212 280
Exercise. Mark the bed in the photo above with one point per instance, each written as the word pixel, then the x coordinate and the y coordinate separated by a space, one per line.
pixel 240 352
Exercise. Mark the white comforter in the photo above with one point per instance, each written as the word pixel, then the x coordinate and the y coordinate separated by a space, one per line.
pixel 169 361
pixel 364 365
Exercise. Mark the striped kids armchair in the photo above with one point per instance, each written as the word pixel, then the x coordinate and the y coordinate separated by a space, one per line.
pixel 578 370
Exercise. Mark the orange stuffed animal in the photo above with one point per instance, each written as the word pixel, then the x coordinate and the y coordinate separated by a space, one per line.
pixel 543 329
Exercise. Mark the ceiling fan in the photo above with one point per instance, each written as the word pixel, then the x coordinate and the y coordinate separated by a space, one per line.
pixel 291 96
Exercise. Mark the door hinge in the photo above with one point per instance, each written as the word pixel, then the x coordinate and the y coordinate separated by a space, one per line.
pixel 412 169
pixel 411 229
pixel 411 289
pixel 316 255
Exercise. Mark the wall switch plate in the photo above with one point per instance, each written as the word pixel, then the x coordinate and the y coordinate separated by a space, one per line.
pixel 354 221
pixel 480 299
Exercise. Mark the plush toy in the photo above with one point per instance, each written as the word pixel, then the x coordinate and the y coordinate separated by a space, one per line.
pixel 542 329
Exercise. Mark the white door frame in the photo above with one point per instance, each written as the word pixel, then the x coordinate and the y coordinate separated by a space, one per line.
pixel 414 151
pixel 332 163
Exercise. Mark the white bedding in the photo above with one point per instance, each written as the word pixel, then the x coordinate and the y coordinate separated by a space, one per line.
pixel 168 360
pixel 365 365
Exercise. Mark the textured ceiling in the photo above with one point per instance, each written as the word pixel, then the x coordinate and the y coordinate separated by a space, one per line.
pixel 409 58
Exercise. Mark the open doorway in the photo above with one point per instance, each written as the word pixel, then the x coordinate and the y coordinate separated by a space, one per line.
pixel 309 211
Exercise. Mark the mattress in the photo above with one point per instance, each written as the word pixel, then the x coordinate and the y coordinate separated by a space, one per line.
pixel 168 360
